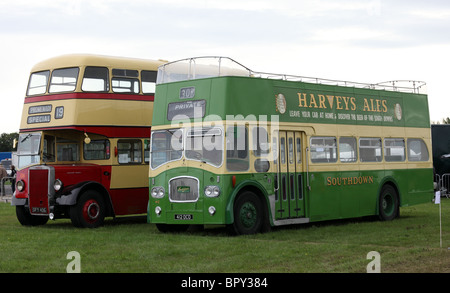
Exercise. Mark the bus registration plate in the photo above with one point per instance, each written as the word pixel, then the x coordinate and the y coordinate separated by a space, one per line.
pixel 184 217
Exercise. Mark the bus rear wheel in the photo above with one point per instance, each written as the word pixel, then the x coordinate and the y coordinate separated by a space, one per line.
pixel 27 219
pixel 388 203
pixel 89 211
pixel 248 214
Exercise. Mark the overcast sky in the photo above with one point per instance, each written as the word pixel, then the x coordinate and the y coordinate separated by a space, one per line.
pixel 357 40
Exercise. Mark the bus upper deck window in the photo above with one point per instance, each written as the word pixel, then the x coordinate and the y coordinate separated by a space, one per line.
pixel 95 79
pixel 38 83
pixel 125 81
pixel 120 85
pixel 63 80
pixel 148 81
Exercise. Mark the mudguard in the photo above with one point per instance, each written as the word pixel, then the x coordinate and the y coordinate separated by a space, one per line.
pixel 70 194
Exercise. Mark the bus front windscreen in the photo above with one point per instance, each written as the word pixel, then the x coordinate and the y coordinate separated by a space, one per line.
pixel 28 149
pixel 200 144
pixel 205 145
pixel 166 146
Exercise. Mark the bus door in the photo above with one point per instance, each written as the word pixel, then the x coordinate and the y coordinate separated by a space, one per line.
pixel 289 198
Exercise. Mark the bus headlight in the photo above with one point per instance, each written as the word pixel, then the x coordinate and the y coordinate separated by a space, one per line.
pixel 20 185
pixel 57 185
pixel 212 191
pixel 212 210
pixel 157 192
pixel 158 210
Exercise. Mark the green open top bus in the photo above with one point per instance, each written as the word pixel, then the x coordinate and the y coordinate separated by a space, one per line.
pixel 253 150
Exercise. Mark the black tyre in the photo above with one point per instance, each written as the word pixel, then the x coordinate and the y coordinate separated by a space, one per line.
pixel 89 211
pixel 248 214
pixel 388 203
pixel 27 219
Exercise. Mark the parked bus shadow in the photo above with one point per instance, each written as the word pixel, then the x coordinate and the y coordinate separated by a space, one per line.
pixel 109 222
pixel 138 219
pixel 328 223
pixel 221 230
pixel 215 230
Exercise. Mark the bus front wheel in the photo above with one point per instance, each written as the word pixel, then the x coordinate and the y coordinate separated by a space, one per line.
pixel 27 219
pixel 248 214
pixel 388 203
pixel 89 211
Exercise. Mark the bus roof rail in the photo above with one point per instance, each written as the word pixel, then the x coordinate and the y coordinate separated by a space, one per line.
pixel 215 66
pixel 200 67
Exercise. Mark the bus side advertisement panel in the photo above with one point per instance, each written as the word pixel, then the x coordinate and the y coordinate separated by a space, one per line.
pixel 338 195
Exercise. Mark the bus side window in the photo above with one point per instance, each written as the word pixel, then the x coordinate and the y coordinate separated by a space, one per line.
pixel 291 150
pixel 96 150
pixel 129 151
pixel 370 149
pixel 125 85
pixel 237 148
pixel 95 79
pixel 394 149
pixel 260 149
pixel 148 80
pixel 146 151
pixel 283 150
pixel 417 150
pixel 66 150
pixel 48 154
pixel 298 148
pixel 63 80
pixel 260 141
pixel 323 149
pixel 38 83
pixel 275 150
pixel 347 149
pixel 125 81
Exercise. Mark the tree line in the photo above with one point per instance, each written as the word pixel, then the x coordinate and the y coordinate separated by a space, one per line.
pixel 6 141
pixel 445 120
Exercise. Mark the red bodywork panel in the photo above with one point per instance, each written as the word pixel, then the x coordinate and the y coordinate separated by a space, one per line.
pixel 129 201
pixel 73 174
pixel 125 201
pixel 38 186
pixel 69 175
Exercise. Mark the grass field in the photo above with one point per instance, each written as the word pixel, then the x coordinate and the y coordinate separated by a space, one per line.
pixel 408 244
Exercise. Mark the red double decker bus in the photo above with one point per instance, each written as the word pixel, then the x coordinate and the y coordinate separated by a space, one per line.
pixel 83 148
